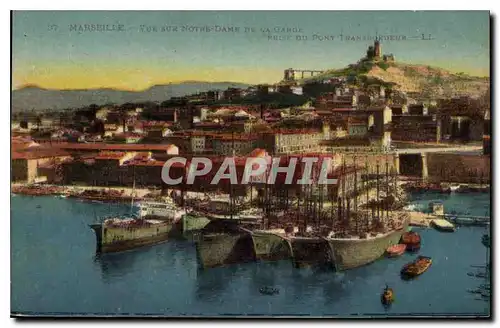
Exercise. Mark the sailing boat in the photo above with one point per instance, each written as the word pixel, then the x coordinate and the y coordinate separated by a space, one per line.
pixel 116 234
pixel 353 250
pixel 223 241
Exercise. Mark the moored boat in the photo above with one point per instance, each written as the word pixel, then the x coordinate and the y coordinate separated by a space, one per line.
pixel 352 251
pixel 166 210
pixel 310 251
pixel 224 242
pixel 416 268
pixel 117 234
pixel 412 241
pixel 271 244
pixel 443 225
pixel 396 250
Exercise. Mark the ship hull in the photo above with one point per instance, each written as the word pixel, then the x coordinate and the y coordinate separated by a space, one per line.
pixel 118 239
pixel 223 249
pixel 193 223
pixel 352 253
pixel 309 252
pixel 271 247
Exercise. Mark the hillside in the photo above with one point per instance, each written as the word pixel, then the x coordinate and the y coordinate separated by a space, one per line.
pixel 427 81
pixel 33 97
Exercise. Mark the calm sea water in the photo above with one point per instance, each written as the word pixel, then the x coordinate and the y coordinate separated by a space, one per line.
pixel 54 270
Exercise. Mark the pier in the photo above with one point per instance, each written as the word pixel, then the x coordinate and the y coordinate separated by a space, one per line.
pixel 419 219
pixel 468 219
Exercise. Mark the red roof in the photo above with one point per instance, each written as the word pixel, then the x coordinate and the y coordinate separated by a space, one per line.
pixel 343 109
pixel 146 163
pixel 110 155
pixel 117 147
pixel 208 124
pixel 296 131
pixel 154 123
pixel 39 153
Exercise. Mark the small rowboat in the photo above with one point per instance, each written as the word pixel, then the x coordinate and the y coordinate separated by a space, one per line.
pixel 387 296
pixel 410 237
pixel 411 240
pixel 269 291
pixel 396 250
pixel 416 268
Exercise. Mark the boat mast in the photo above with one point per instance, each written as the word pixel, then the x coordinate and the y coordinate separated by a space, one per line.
pixel 344 223
pixel 231 205
pixel 356 195
pixel 133 193
pixel 395 179
pixel 367 185
pixel 378 192
pixel 387 188
pixel 307 203
pixel 331 191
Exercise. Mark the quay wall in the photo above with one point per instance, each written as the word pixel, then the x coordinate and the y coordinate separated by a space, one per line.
pixel 461 168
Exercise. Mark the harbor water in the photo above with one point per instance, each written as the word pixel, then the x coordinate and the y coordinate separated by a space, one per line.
pixel 55 271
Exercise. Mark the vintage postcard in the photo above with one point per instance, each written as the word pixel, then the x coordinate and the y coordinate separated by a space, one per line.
pixel 326 164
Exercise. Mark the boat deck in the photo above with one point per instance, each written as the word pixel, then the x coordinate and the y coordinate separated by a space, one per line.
pixel 443 224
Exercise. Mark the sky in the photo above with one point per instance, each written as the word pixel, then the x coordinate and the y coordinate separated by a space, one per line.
pixel 54 50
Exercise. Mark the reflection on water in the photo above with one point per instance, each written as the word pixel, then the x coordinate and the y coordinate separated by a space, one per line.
pixel 118 265
pixel 213 283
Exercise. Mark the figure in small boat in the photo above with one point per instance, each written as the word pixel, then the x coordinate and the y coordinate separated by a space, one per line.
pixel 387 296
pixel 269 290
pixel 416 268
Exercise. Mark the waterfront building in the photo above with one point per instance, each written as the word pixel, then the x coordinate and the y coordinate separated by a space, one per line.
pixel 357 126
pixel 399 109
pixel 232 94
pixel 416 128
pixel 97 147
pixel 26 162
pixel 229 144
pixel 289 141
pixel 418 109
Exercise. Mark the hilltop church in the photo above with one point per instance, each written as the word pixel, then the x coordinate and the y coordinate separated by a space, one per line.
pixel 374 53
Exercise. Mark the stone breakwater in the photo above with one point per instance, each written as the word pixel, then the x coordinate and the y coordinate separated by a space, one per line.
pixel 112 193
